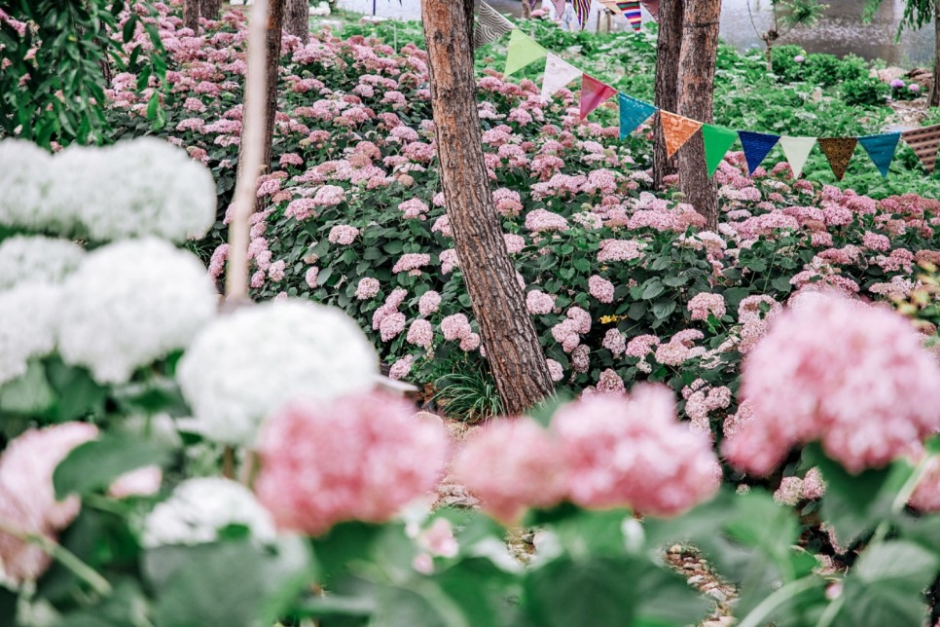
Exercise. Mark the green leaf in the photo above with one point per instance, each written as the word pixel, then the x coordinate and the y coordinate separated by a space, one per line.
pixel 226 585
pixel 597 592
pixel 78 394
pixel 782 284
pixel 652 289
pixel 886 586
pixel 855 504
pixel 663 308
pixel 29 394
pixel 581 265
pixel 95 465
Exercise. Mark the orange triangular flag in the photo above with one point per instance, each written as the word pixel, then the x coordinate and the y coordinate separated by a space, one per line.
pixel 677 130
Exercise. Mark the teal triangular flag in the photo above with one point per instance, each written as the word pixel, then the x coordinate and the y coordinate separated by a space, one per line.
pixel 633 112
pixel 756 147
pixel 880 149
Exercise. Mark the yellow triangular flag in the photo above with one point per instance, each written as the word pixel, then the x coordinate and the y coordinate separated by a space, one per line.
pixel 523 50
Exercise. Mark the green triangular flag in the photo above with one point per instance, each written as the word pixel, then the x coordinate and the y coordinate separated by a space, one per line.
pixel 718 141
pixel 523 50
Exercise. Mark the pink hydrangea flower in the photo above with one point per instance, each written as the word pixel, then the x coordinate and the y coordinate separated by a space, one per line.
pixel 509 479
pixel 456 327
pixel 619 250
pixel 420 333
pixel 641 345
pixel 615 342
pixel 411 262
pixel 401 368
pixel 538 303
pixel 312 275
pixel 414 208
pixel 704 304
pixel 429 302
pixel 601 289
pixel 555 371
pixel 632 451
pixel 853 376
pixel 27 496
pixel 367 288
pixel 343 234
pixel 540 220
pixel 391 326
pixel 360 457
pixel 329 195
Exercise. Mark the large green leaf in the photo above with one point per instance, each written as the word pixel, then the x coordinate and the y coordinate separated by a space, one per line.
pixel 886 586
pixel 233 583
pixel 855 504
pixel 95 465
pixel 594 592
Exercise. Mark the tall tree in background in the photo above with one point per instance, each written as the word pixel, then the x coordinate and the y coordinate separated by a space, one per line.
pixel 209 9
pixel 512 347
pixel 191 15
pixel 917 14
pixel 671 13
pixel 695 91
pixel 298 19
pixel 273 31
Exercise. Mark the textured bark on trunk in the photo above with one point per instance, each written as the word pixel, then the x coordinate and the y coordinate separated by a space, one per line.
pixel 298 19
pixel 210 8
pixel 512 347
pixel 667 74
pixel 935 90
pixel 273 31
pixel 696 89
pixel 191 15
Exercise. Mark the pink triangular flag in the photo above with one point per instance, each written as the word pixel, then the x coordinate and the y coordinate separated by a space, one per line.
pixel 593 94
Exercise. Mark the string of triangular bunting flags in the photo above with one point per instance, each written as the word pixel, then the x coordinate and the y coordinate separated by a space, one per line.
pixel 677 129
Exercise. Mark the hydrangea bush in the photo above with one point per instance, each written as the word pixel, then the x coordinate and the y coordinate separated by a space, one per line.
pixel 116 403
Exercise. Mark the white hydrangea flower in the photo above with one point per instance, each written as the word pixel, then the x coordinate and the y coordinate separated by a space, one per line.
pixel 43 259
pixel 243 366
pixel 199 508
pixel 26 181
pixel 135 188
pixel 131 303
pixel 27 326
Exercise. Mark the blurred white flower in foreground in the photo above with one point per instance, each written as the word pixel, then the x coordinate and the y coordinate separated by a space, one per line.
pixel 130 304
pixel 244 366
pixel 199 508
pixel 37 259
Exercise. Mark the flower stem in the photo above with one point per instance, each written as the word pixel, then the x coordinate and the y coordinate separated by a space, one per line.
pixel 62 555
pixel 757 617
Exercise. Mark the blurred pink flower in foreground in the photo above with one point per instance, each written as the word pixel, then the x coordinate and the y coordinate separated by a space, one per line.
pixel 361 457
pixel 632 451
pixel 27 496
pixel 511 464
pixel 853 376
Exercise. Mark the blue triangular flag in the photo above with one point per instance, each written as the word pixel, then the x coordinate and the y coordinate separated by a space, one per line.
pixel 756 147
pixel 880 149
pixel 633 112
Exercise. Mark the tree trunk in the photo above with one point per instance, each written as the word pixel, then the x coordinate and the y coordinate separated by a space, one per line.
pixel 273 31
pixel 191 15
pixel 935 90
pixel 512 346
pixel 697 69
pixel 210 9
pixel 298 19
pixel 667 73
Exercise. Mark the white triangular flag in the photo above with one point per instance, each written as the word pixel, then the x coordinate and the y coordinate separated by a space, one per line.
pixel 797 151
pixel 558 73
